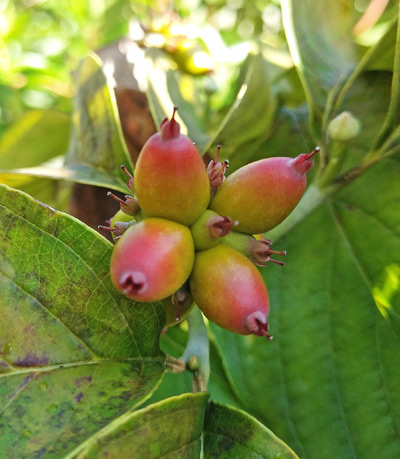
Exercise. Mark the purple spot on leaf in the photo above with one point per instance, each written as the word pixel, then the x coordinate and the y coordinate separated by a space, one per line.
pixel 32 360
pixel 78 398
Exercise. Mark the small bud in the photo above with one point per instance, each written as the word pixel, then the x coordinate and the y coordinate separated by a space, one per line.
pixel 344 127
pixel 193 363
pixel 130 206
pixel 216 172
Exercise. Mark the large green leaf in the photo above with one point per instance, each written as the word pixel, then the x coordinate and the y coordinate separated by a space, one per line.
pixel 249 120
pixel 289 136
pixel 164 91
pixel 319 38
pixel 36 137
pixel 169 429
pixel 183 426
pixel 231 433
pixel 74 353
pixel 96 139
pixel 97 148
pixel 74 173
pixel 328 383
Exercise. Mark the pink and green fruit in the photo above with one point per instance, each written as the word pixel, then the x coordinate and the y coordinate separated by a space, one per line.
pixel 171 180
pixel 230 291
pixel 209 228
pixel 152 259
pixel 263 193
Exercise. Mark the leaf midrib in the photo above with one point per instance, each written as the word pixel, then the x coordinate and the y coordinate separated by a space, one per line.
pixel 61 366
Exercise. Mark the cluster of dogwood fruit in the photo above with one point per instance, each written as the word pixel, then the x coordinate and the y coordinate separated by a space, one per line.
pixel 189 235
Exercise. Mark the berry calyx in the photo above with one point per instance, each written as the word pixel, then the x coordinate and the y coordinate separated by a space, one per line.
pixel 129 206
pixel 152 259
pixel 258 325
pixel 263 193
pixel 170 129
pixel 208 230
pixel 216 172
pixel 302 163
pixel 230 291
pixel 257 249
pixel 130 183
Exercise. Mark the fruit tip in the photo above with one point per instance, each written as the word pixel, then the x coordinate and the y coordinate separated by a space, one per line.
pixel 133 283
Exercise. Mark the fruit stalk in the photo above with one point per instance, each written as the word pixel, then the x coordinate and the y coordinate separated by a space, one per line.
pixel 198 346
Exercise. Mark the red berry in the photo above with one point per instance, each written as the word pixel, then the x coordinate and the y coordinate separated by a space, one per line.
pixel 170 177
pixel 152 259
pixel 262 194
pixel 230 291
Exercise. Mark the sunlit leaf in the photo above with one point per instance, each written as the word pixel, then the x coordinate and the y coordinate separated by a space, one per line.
pixel 164 93
pixel 97 148
pixel 322 49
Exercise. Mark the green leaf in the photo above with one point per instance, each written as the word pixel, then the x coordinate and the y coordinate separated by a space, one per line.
pixel 386 51
pixel 173 342
pixel 230 433
pixel 248 122
pixel 36 137
pixel 97 139
pixel 328 383
pixel 289 136
pixel 164 92
pixel 169 429
pixel 393 114
pixel 318 34
pixel 97 148
pixel 73 173
pixel 381 55
pixel 74 352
